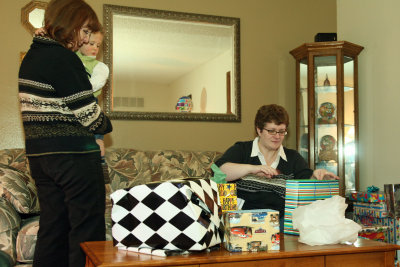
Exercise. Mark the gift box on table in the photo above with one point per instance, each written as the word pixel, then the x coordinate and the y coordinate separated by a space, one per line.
pixel 370 197
pixel 228 196
pixel 175 215
pixel 252 230
pixel 378 210
pixel 391 223
pixel 375 232
pixel 304 192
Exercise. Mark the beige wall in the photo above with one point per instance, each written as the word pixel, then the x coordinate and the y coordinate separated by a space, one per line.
pixel 269 30
pixel 376 26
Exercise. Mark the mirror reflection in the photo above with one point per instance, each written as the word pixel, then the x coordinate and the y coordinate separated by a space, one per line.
pixel 36 17
pixel 171 66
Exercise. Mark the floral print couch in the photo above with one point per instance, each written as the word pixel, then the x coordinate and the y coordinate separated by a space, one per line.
pixel 19 205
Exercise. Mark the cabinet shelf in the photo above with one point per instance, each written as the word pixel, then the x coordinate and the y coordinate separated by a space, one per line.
pixel 327 89
pixel 328 125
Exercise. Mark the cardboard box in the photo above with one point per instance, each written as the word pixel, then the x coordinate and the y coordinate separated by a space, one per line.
pixel 252 230
pixel 228 196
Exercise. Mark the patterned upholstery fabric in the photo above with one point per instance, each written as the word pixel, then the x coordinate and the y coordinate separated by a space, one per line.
pixel 9 226
pixel 15 158
pixel 19 189
pixel 127 168
pixel 26 240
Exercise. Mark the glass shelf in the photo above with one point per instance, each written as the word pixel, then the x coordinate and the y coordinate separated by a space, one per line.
pixel 326 125
pixel 327 89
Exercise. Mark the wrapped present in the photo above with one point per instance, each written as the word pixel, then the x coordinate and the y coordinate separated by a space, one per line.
pixel 175 215
pixel 374 232
pixel 252 230
pixel 371 197
pixel 304 192
pixel 391 223
pixel 228 197
pixel 377 210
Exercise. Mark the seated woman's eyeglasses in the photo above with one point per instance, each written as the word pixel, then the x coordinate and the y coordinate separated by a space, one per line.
pixel 274 132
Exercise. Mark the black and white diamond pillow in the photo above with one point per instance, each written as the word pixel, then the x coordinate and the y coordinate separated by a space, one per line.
pixel 179 214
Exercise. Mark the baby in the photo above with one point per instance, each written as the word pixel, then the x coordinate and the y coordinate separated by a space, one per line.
pixel 98 72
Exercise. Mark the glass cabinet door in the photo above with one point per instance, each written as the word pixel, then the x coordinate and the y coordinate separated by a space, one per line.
pixel 325 101
pixel 349 125
pixel 327 108
pixel 303 111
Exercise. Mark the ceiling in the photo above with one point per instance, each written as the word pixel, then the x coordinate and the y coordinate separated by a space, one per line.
pixel 163 50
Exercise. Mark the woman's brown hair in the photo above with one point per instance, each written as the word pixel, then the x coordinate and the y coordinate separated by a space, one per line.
pixel 63 20
pixel 271 113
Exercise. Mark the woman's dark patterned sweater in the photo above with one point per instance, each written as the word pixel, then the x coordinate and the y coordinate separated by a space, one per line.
pixel 59 111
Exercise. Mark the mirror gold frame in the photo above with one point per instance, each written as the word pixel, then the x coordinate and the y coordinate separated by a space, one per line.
pixel 26 12
pixel 111 12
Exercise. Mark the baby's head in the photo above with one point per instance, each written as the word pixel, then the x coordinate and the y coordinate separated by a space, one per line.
pixel 93 46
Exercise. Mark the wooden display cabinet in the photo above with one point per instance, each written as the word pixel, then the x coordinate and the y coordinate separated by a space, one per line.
pixel 327 108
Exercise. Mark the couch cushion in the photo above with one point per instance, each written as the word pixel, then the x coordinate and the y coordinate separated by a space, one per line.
pixel 19 189
pixel 15 158
pixel 26 240
pixel 9 225
pixel 129 167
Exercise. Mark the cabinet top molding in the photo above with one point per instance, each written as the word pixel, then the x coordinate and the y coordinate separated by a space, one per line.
pixel 349 49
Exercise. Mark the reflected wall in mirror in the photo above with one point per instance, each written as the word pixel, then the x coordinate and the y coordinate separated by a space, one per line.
pixel 32 15
pixel 167 65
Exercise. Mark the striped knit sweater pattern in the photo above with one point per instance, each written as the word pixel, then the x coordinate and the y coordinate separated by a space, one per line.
pixel 58 109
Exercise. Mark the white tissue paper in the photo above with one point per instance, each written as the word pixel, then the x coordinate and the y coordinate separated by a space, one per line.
pixel 323 222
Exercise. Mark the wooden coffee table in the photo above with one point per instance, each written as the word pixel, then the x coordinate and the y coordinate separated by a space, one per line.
pixel 363 253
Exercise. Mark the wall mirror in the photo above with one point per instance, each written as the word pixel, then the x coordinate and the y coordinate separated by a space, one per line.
pixel 167 65
pixel 32 15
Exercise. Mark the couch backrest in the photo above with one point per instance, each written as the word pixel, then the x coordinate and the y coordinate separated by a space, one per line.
pixel 130 167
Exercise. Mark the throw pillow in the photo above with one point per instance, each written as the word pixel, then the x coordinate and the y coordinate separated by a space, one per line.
pixel 19 189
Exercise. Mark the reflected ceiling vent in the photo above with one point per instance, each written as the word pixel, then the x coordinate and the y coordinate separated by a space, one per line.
pixel 137 102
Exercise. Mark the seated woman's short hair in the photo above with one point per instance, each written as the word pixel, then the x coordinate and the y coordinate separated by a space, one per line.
pixel 271 113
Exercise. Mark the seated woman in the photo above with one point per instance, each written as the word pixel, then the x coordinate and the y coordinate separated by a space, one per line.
pixel 266 157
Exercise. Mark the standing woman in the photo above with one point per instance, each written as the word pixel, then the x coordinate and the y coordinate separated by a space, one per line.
pixel 60 117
